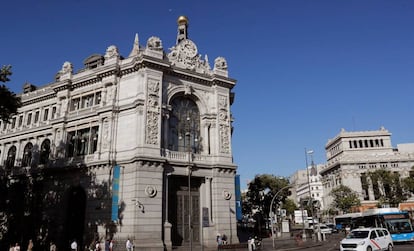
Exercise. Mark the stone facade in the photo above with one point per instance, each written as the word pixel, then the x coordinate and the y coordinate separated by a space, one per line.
pixel 162 119
pixel 352 155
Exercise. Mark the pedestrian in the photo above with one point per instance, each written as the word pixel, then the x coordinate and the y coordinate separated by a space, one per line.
pixel 30 245
pixel 219 240
pixel 250 244
pixel 17 247
pixel 107 245
pixel 74 246
pixel 11 248
pixel 224 239
pixel 128 245
pixel 97 246
pixel 298 239
pixel 111 245
pixel 52 246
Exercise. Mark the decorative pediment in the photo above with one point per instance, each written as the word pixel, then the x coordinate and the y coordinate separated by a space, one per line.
pixel 185 55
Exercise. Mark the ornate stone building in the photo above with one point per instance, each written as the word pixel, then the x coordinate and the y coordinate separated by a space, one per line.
pixel 134 147
pixel 351 156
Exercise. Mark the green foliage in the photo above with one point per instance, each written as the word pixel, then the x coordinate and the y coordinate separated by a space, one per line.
pixel 9 102
pixel 290 206
pixel 261 192
pixel 344 198
pixel 408 182
pixel 388 187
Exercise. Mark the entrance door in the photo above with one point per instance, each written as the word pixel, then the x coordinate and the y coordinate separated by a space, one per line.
pixel 179 211
pixel 183 216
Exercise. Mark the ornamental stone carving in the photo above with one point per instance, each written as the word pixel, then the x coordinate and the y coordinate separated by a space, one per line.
pixel 153 112
pixel 151 191
pixel 105 134
pixel 185 55
pixel 154 43
pixel 111 52
pixel 224 126
pixel 220 63
pixel 227 195
pixel 67 68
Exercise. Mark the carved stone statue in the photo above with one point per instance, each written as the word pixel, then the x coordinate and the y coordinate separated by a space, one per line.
pixel 66 68
pixel 220 63
pixel 154 43
pixel 111 52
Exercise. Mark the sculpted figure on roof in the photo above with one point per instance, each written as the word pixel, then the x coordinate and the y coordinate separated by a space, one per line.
pixel 111 52
pixel 66 68
pixel 154 43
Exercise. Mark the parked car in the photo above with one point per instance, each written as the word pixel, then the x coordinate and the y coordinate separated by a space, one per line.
pixel 323 229
pixel 333 227
pixel 367 239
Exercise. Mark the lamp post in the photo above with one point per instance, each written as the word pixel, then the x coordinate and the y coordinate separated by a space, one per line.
pixel 310 152
pixel 271 207
pixel 190 131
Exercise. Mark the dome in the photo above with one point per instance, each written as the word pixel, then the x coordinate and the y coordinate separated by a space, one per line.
pixel 182 20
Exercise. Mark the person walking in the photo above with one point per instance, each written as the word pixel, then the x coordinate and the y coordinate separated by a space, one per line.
pixel 111 245
pixel 52 246
pixel 17 247
pixel 30 245
pixel 128 245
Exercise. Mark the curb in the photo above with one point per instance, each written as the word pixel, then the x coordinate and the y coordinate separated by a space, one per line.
pixel 299 248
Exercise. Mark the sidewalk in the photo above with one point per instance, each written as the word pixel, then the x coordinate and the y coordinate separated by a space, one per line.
pixel 288 243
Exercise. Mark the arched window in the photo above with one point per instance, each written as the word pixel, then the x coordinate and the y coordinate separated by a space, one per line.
pixel 27 155
pixel 184 126
pixel 11 157
pixel 44 152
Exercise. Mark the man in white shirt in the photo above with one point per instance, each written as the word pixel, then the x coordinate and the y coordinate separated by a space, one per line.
pixel 128 245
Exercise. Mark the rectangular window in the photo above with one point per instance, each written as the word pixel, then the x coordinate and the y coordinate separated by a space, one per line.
pixel 82 142
pixel 53 112
pixel 29 119
pixel 20 120
pixel 87 101
pixel 74 104
pixel 4 125
pixel 36 119
pixel 97 98
pixel 46 114
pixel 13 123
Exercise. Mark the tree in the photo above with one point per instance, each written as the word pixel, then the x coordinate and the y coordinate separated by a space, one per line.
pixel 408 182
pixel 9 102
pixel 388 188
pixel 290 206
pixel 344 198
pixel 262 190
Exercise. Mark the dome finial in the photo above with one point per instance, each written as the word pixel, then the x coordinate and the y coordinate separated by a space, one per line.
pixel 182 22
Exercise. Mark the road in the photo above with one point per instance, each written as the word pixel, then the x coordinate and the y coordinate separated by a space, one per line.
pixel 331 244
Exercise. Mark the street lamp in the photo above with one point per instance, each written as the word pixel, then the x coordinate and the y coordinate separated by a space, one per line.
pixel 190 131
pixel 310 202
pixel 271 207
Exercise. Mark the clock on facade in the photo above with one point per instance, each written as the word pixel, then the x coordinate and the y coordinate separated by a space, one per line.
pixel 188 48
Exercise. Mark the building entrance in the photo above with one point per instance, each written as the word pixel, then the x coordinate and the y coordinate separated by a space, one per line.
pixel 75 216
pixel 179 212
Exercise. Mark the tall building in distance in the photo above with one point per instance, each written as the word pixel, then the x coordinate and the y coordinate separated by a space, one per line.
pixel 351 156
pixel 136 147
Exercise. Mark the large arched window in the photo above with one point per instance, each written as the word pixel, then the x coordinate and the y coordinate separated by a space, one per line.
pixel 44 152
pixel 184 126
pixel 11 157
pixel 27 155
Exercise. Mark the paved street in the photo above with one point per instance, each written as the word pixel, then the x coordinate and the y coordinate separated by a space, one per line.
pixel 331 244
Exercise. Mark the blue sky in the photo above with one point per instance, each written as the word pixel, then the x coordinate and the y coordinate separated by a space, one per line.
pixel 305 69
